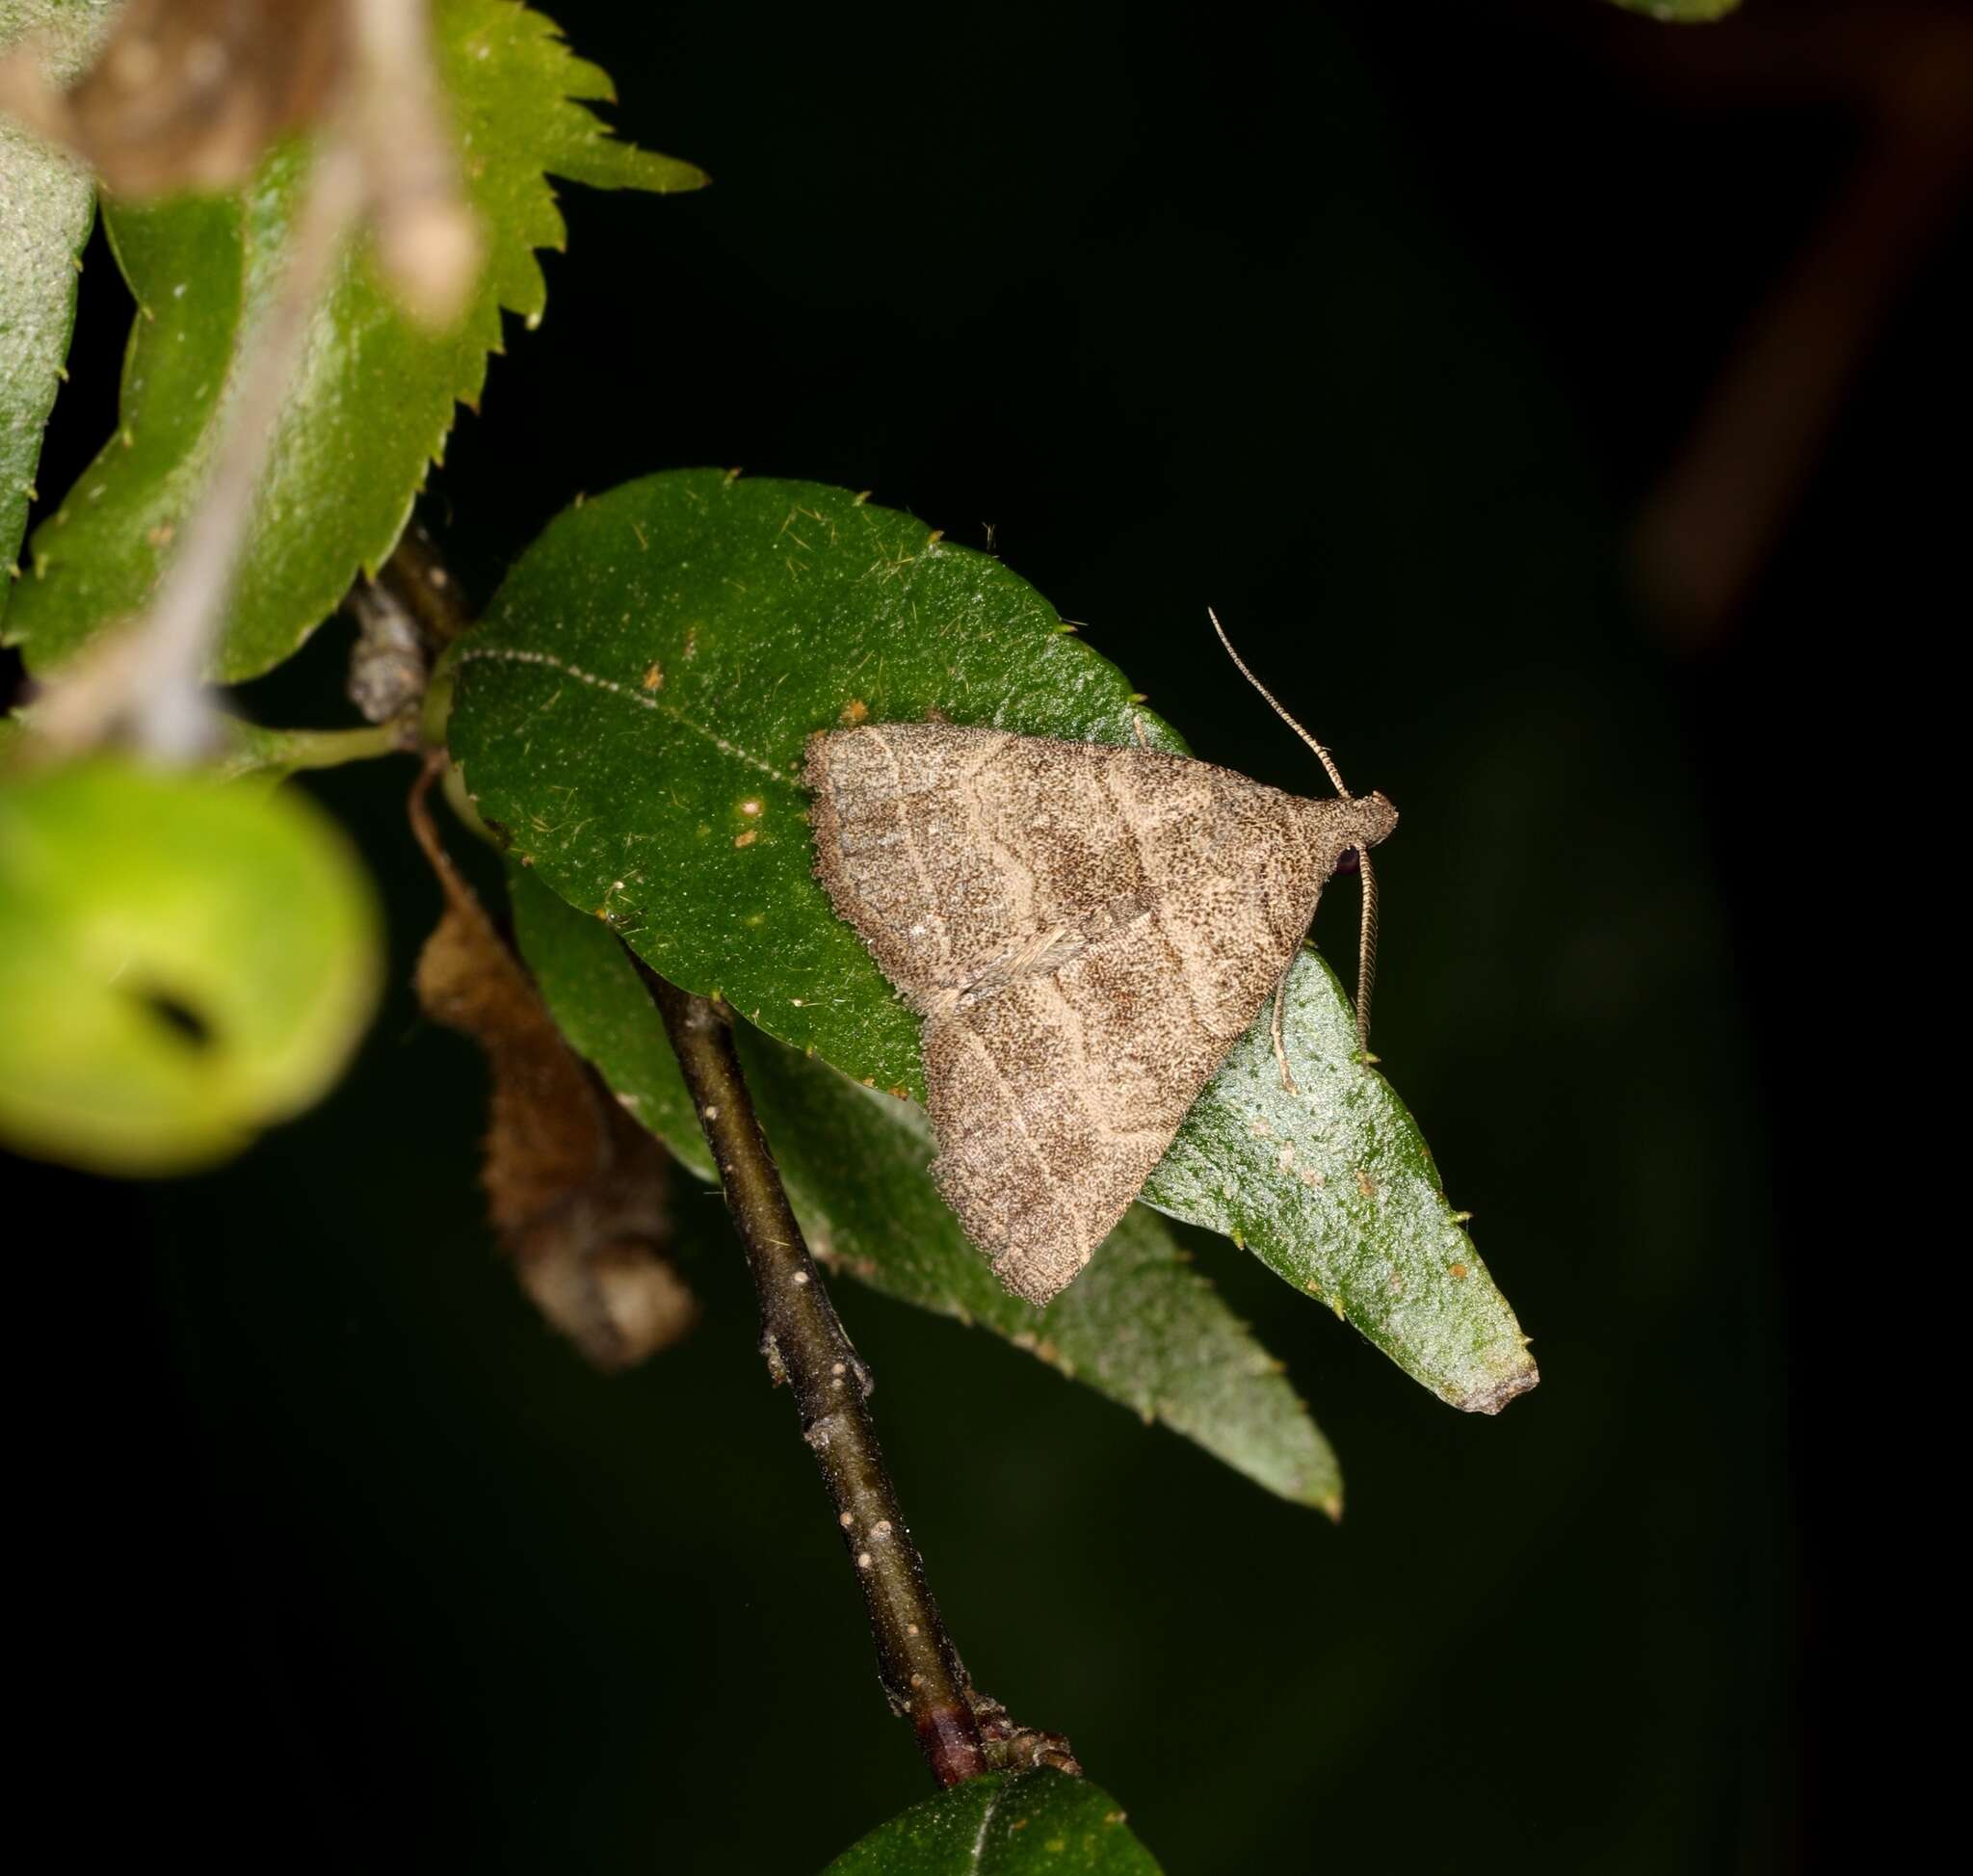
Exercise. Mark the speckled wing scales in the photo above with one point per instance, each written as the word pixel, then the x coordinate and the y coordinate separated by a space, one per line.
pixel 1087 930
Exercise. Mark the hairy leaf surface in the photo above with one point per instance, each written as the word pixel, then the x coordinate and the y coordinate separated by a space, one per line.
pixel 1006 1824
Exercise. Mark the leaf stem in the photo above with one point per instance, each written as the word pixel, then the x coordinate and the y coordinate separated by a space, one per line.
pixel 805 1345
pixel 252 748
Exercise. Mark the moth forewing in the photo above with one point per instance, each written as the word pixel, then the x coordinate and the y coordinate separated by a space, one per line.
pixel 1087 930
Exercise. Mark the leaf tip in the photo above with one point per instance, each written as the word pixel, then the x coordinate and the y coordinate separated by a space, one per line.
pixel 1496 1395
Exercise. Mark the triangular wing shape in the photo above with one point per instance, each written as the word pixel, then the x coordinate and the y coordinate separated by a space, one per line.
pixel 1086 931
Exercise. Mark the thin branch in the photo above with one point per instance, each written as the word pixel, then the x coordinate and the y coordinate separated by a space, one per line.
pixel 417 577
pixel 427 244
pixel 384 153
pixel 152 677
pixel 805 1345
pixel 1907 73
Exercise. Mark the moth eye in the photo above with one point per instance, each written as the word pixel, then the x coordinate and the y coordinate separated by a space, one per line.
pixel 1345 863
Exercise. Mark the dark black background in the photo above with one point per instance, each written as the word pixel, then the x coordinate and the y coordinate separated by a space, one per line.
pixel 1377 327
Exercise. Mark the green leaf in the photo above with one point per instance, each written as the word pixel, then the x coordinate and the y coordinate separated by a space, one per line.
pixel 1333 1187
pixel 605 1014
pixel 1139 1325
pixel 632 714
pixel 1007 1824
pixel 46 202
pixel 1681 13
pixel 374 399
pixel 181 964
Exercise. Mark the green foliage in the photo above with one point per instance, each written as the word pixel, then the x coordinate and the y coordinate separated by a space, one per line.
pixel 1333 1187
pixel 47 201
pixel 1681 13
pixel 374 399
pixel 1006 1824
pixel 604 1015
pixel 632 714
pixel 633 709
pixel 1139 1325
pixel 181 962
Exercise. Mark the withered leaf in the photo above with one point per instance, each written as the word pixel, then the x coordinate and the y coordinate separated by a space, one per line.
pixel 189 93
pixel 575 1188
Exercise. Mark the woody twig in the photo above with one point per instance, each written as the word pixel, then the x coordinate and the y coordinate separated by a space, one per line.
pixel 149 679
pixel 805 1345
pixel 360 74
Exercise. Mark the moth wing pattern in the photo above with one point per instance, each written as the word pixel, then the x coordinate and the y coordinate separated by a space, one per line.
pixel 1086 929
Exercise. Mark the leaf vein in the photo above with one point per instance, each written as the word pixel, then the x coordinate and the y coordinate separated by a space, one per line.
pixel 514 655
pixel 985 1824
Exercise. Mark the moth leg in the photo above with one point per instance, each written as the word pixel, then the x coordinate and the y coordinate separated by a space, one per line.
pixel 1275 1032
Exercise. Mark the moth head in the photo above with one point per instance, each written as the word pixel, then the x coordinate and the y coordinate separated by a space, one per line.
pixel 1371 818
pixel 1341 830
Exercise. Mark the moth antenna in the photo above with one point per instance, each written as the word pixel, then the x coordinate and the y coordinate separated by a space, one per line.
pixel 1366 951
pixel 1322 755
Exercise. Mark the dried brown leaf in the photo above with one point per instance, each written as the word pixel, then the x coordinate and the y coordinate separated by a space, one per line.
pixel 575 1188
pixel 189 93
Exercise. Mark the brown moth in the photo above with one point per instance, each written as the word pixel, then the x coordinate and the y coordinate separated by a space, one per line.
pixel 1086 931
